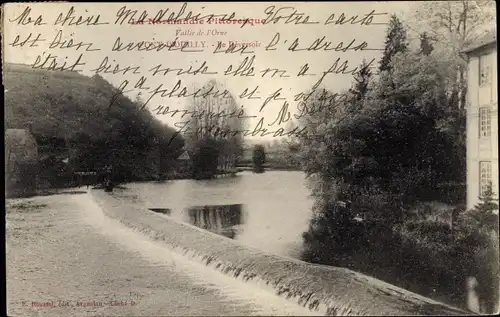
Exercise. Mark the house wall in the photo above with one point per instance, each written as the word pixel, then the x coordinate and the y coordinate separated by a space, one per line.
pixel 20 147
pixel 481 148
pixel 21 153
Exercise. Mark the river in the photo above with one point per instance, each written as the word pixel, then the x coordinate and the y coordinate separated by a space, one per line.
pixel 267 211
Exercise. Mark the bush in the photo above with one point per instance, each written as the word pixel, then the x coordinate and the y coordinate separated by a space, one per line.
pixel 259 157
pixel 477 238
pixel 428 255
pixel 440 256
pixel 205 159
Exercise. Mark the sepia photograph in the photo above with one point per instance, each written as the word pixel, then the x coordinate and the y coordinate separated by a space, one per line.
pixel 251 158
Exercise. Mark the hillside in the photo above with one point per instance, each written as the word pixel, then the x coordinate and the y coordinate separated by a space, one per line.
pixel 69 116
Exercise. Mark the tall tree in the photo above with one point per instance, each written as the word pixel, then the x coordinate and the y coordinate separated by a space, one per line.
pixel 361 81
pixel 426 46
pixel 455 25
pixel 395 42
pixel 259 156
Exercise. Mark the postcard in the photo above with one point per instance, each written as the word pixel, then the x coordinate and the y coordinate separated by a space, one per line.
pixel 251 158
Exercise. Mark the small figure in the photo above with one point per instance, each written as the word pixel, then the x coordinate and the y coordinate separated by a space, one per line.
pixel 108 186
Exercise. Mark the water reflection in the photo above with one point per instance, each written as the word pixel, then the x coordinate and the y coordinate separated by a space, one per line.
pixel 275 208
pixel 164 211
pixel 225 220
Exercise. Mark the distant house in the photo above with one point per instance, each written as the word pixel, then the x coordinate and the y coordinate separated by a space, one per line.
pixel 21 154
pixel 184 161
pixel 482 115
pixel 226 162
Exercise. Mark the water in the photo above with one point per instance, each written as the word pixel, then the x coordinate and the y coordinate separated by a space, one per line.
pixel 268 211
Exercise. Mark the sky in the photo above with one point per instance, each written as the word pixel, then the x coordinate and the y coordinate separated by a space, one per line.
pixel 104 37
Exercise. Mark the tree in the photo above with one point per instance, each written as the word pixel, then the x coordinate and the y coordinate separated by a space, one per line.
pixel 259 157
pixel 453 25
pixel 215 118
pixel 484 213
pixel 74 110
pixel 361 81
pixel 477 240
pixel 382 158
pixel 426 46
pixel 205 158
pixel 395 42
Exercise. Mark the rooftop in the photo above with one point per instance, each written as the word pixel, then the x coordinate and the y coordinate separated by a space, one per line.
pixel 184 156
pixel 487 39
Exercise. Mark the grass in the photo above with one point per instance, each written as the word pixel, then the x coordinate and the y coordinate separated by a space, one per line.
pixel 24 206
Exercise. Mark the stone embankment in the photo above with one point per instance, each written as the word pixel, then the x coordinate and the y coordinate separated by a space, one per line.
pixel 322 289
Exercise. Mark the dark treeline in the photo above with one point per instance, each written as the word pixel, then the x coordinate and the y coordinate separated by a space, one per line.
pixel 380 164
pixel 75 131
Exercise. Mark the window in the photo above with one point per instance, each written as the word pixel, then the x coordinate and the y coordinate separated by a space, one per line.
pixel 484 122
pixel 484 176
pixel 484 70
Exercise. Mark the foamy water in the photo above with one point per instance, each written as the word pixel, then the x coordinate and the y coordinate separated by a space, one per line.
pixel 157 253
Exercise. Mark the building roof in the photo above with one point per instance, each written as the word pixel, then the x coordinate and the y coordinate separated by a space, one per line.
pixel 487 39
pixel 184 156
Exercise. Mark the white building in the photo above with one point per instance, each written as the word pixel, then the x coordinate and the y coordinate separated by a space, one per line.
pixel 482 118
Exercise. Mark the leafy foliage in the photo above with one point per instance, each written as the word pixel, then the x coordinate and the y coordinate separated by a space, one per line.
pixel 212 128
pixel 206 158
pixel 485 214
pixel 391 146
pixel 361 81
pixel 426 46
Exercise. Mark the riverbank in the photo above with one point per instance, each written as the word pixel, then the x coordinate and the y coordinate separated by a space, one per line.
pixel 47 191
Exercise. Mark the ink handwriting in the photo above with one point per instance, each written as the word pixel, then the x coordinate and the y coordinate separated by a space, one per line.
pixel 33 41
pixel 201 70
pixel 235 59
pixel 59 42
pixel 341 19
pixel 25 18
pixel 286 15
pixel 70 19
pixel 51 62
pixel 125 15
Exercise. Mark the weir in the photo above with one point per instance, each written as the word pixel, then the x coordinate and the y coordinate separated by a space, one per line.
pixel 330 291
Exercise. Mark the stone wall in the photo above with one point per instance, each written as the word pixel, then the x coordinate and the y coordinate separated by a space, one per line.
pixel 328 290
